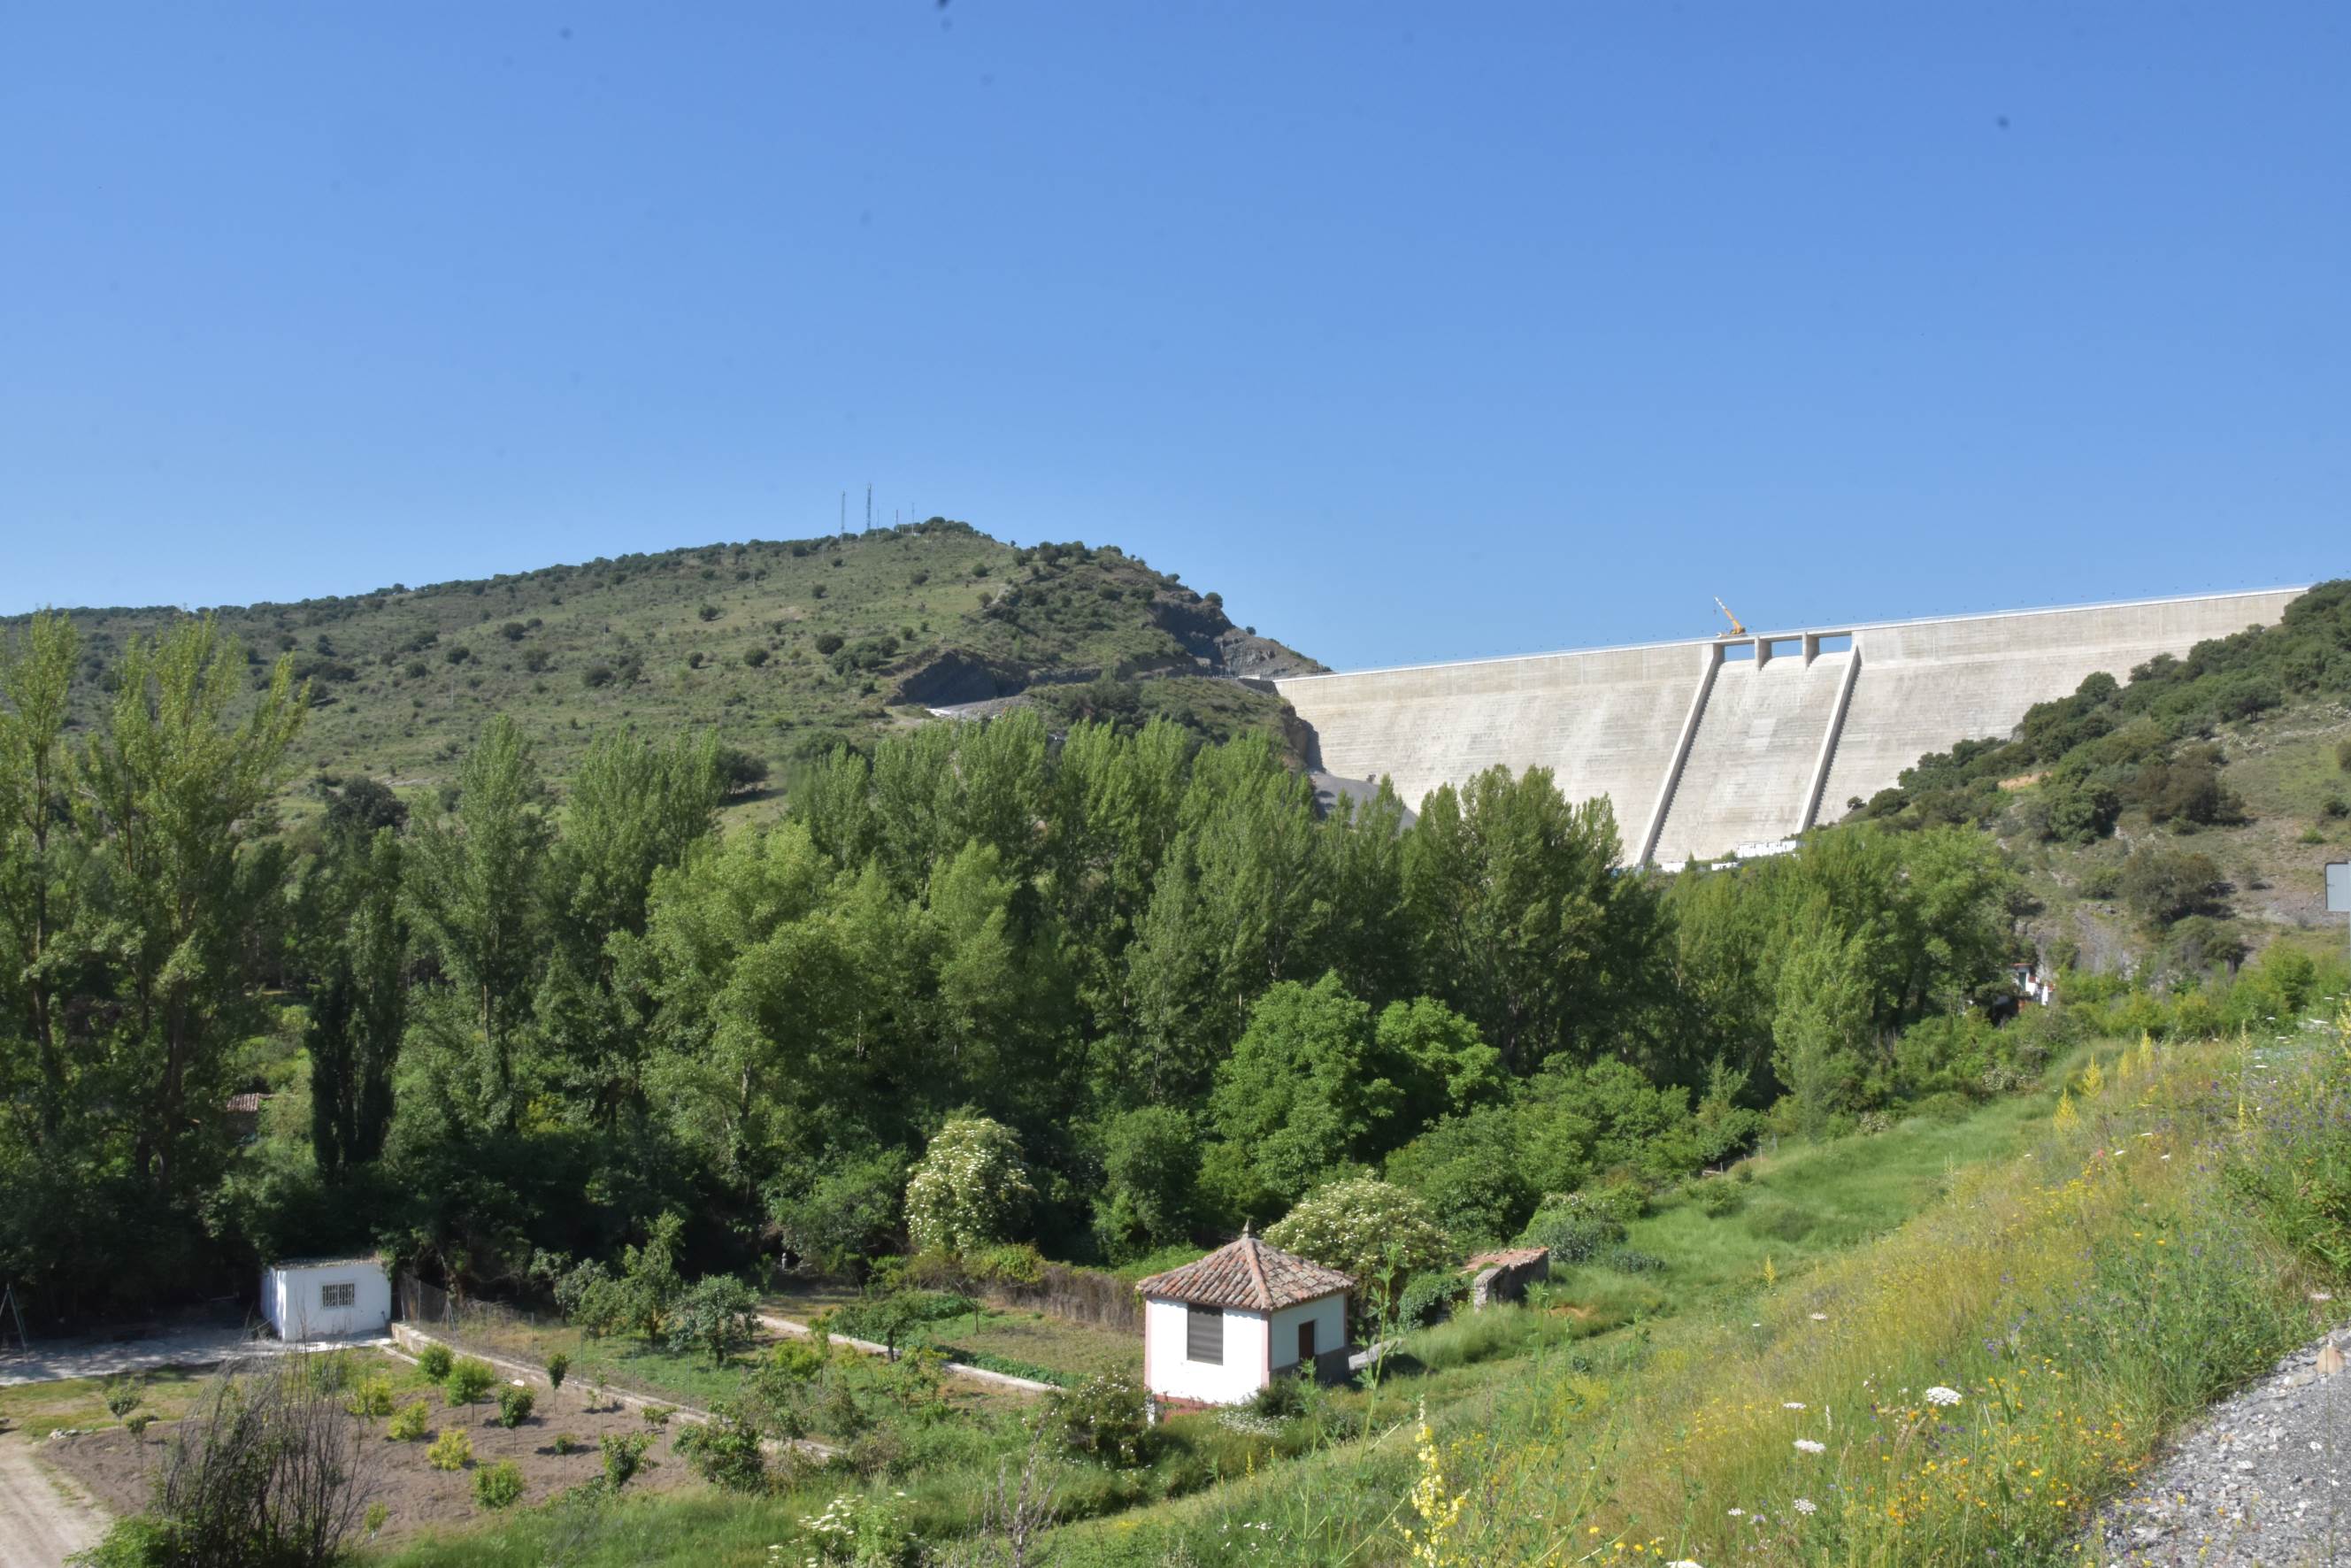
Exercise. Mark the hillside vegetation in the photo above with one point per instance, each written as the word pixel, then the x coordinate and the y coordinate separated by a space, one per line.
pixel 783 649
pixel 2178 821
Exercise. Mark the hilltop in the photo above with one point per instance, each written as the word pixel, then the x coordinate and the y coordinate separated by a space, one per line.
pixel 786 648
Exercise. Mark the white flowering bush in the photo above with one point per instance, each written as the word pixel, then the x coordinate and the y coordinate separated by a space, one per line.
pixel 971 1189
pixel 1381 1234
pixel 857 1531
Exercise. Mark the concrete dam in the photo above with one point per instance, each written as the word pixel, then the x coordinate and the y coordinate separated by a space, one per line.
pixel 1707 747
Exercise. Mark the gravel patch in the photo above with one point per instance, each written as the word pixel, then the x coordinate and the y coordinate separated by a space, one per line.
pixel 2261 1483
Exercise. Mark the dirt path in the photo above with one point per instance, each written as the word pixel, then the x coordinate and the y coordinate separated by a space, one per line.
pixel 40 1525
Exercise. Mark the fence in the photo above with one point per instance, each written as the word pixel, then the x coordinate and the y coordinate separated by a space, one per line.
pixel 1081 1295
pixel 419 1303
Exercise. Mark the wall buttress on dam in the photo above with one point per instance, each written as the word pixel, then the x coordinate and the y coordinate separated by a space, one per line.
pixel 1770 732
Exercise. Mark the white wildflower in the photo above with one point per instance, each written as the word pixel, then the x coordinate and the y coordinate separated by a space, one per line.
pixel 1806 1445
pixel 1820 1317
pixel 1805 1505
pixel 1939 1394
pixel 1791 1405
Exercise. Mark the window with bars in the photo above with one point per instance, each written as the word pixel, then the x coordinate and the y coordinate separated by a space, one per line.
pixel 339 1295
pixel 1203 1334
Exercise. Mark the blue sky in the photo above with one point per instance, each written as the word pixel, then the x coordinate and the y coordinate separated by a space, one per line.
pixel 1420 331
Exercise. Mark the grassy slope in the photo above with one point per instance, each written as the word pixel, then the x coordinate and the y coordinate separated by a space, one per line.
pixel 1808 1209
pixel 2081 1299
pixel 391 703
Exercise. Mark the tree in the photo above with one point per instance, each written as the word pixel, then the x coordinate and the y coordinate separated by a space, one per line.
pixel 479 895
pixel 836 1209
pixel 1437 1058
pixel 1521 918
pixel 1151 1166
pixel 176 792
pixel 971 1189
pixel 1470 1171
pixel 1365 1228
pixel 1301 1094
pixel 1821 1028
pixel 35 769
pixel 359 1000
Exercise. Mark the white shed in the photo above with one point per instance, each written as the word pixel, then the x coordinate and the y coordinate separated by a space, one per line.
pixel 326 1298
pixel 1217 1330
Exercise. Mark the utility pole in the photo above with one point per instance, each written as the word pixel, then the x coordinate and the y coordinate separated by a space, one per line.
pixel 844 511
pixel 869 506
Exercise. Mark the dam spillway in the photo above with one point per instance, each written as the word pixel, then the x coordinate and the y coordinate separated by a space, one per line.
pixel 1705 745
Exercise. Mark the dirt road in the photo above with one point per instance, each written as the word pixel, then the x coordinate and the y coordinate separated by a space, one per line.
pixel 39 1524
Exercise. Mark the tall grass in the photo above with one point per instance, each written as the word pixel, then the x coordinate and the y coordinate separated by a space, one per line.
pixel 2065 1308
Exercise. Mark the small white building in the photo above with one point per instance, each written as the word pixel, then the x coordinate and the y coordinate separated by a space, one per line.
pixel 1217 1330
pixel 326 1298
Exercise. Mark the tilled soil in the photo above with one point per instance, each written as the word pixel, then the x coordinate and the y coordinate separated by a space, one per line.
pixel 2261 1483
pixel 117 1468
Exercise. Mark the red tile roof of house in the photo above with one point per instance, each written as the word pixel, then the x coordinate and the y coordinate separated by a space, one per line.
pixel 1248 1274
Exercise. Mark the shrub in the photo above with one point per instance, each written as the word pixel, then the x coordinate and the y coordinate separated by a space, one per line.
pixel 716 1315
pixel 124 1395
pixel 657 1415
pixel 624 1455
pixel 498 1486
pixel 410 1422
pixel 469 1379
pixel 1577 1228
pixel 1363 1227
pixel 1105 1418
pixel 971 1189
pixel 707 613
pixel 372 1398
pixel 513 1406
pixel 452 1450
pixel 557 1365
pixel 565 1443
pixel 1283 1399
pixel 137 1424
pixel 726 1452
pixel 2162 886
pixel 433 1361
pixel 754 657
pixel 1429 1295
pixel 266 1469
pixel 1719 1195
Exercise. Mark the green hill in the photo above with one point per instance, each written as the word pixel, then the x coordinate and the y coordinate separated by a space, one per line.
pixel 785 648
pixel 2174 817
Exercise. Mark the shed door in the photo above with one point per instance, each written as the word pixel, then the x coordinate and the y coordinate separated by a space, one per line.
pixel 1306 1341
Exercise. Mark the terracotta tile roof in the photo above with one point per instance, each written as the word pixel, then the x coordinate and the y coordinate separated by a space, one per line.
pixel 1248 1274
pixel 1508 1260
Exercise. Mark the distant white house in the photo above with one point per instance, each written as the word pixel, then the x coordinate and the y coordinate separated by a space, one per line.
pixel 1217 1330
pixel 326 1298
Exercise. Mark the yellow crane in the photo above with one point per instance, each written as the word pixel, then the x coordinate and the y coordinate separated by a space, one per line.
pixel 1736 629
